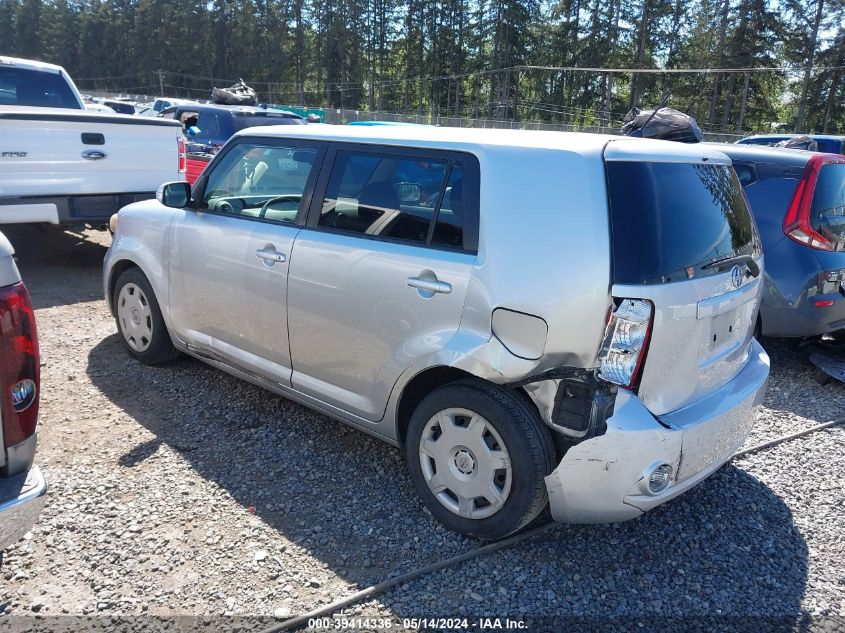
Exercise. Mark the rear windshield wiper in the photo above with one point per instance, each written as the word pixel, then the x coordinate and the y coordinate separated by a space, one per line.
pixel 748 260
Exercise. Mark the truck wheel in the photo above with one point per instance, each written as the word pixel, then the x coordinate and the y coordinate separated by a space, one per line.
pixel 139 321
pixel 478 454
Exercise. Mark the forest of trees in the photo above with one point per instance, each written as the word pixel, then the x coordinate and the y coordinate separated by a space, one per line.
pixel 502 59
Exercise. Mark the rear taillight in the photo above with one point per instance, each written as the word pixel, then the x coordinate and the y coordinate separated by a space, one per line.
pixel 183 157
pixel 20 366
pixel 625 342
pixel 797 224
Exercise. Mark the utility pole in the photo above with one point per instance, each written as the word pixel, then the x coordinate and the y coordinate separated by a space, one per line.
pixel 741 122
pixel 812 43
pixel 161 82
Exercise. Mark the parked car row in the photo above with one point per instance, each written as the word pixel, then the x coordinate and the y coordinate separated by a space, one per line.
pixel 535 318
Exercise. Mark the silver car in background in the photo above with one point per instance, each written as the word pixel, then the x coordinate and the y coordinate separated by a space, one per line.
pixel 534 317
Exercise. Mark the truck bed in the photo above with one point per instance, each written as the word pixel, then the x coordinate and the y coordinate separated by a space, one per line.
pixel 75 166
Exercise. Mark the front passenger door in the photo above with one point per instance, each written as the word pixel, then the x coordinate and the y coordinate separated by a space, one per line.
pixel 229 257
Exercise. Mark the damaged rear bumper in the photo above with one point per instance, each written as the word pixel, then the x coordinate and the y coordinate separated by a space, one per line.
pixel 604 479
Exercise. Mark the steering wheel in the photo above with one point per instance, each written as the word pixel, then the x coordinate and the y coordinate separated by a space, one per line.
pixel 291 197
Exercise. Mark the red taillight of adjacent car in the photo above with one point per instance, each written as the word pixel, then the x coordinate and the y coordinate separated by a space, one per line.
pixel 183 156
pixel 20 367
pixel 797 224
pixel 625 343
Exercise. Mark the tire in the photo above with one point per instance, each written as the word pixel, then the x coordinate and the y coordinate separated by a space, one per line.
pixel 821 377
pixel 487 427
pixel 139 322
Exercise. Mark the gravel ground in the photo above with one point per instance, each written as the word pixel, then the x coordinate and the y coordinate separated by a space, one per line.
pixel 183 491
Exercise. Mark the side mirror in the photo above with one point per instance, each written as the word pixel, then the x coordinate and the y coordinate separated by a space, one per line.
pixel 174 194
pixel 193 131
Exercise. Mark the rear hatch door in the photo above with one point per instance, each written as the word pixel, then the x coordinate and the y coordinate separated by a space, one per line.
pixel 684 239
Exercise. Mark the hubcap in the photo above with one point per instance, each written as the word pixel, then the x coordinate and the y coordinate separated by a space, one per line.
pixel 465 463
pixel 135 317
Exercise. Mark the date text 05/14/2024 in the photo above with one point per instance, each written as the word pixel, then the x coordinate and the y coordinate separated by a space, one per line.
pixel 341 623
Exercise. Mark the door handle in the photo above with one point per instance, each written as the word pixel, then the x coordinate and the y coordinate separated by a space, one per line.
pixel 270 256
pixel 430 285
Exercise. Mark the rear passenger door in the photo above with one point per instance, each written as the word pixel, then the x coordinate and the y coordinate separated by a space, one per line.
pixel 379 274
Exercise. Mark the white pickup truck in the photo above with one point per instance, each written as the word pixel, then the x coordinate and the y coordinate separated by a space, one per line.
pixel 64 165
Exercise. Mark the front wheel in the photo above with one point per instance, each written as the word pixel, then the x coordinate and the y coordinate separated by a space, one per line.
pixel 139 321
pixel 478 455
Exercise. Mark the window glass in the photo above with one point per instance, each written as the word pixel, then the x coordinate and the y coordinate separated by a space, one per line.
pixel 449 230
pixel 745 173
pixel 265 182
pixel 827 213
pixel 383 195
pixel 208 124
pixel 25 87
pixel 671 220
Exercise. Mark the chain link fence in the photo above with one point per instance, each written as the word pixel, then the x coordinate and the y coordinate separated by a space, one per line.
pixel 336 116
pixel 341 117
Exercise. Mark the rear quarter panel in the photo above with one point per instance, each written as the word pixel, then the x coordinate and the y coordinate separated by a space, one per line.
pixel 544 250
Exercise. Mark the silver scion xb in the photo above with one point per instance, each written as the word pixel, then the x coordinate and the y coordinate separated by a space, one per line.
pixel 534 317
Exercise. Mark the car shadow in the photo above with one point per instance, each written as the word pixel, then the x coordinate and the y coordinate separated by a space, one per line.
pixel 346 498
pixel 56 265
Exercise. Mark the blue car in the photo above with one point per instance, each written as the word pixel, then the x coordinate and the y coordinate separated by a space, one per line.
pixel 798 200
pixel 209 126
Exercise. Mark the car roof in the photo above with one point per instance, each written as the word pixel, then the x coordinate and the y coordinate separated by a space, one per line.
pixel 624 147
pixel 29 64
pixel 765 153
pixel 244 110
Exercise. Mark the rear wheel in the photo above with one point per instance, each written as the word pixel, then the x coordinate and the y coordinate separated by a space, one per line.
pixel 477 455
pixel 139 321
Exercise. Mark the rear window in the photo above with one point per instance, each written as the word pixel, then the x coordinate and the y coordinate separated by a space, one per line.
pixel 827 212
pixel 242 122
pixel 121 108
pixel 25 87
pixel 669 220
